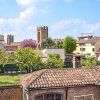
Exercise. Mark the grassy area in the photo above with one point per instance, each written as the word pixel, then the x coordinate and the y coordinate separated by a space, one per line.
pixel 9 79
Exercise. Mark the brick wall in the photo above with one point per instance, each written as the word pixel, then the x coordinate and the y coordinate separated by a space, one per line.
pixel 85 90
pixel 32 93
pixel 70 92
pixel 11 92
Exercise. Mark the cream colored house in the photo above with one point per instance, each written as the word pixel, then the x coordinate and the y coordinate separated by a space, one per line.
pixel 88 45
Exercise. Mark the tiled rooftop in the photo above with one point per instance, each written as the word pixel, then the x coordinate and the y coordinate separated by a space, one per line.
pixel 11 47
pixel 92 40
pixel 49 78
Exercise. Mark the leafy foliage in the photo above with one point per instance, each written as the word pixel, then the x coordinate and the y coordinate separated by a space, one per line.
pixel 89 62
pixel 48 43
pixel 54 61
pixel 59 44
pixel 98 63
pixel 28 43
pixel 2 53
pixel 27 58
pixel 54 56
pixel 4 59
pixel 69 44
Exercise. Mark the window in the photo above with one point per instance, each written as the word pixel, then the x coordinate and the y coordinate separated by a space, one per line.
pixel 39 97
pixel 82 49
pixel 49 96
pixel 93 49
pixel 92 44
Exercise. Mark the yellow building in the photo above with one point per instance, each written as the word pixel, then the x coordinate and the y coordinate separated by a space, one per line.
pixel 87 45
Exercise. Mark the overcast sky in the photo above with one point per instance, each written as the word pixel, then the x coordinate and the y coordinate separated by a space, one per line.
pixel 63 17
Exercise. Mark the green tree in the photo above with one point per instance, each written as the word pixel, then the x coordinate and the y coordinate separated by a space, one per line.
pixel 89 62
pixel 98 63
pixel 48 43
pixel 59 44
pixel 69 44
pixel 27 58
pixel 3 58
pixel 2 61
pixel 54 61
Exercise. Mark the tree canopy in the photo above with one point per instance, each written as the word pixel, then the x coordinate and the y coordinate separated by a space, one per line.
pixel 59 44
pixel 27 58
pixel 48 43
pixel 54 61
pixel 89 62
pixel 2 56
pixel 69 44
pixel 4 59
pixel 28 43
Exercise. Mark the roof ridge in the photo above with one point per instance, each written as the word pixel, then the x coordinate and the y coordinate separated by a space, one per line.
pixel 45 70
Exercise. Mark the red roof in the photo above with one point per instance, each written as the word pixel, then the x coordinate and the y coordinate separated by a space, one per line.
pixel 11 47
pixel 49 78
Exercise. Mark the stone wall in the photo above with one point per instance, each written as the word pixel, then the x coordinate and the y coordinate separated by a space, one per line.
pixel 11 92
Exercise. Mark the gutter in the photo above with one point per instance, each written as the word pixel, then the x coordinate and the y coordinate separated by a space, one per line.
pixel 66 93
pixel 43 88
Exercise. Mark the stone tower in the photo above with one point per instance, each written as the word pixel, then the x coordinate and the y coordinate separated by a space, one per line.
pixel 42 34
pixel 10 39
pixel 1 42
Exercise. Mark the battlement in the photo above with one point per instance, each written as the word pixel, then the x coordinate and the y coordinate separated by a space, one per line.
pixel 1 37
pixel 42 28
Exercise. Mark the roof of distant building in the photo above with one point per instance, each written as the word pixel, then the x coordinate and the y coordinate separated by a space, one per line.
pixel 10 47
pixel 82 37
pixel 50 78
pixel 91 40
pixel 58 40
pixel 98 52
pixel 16 43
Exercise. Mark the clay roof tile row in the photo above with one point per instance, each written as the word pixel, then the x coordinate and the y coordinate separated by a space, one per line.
pixel 61 77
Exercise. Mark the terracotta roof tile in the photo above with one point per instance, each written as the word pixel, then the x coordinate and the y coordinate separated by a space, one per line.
pixel 61 77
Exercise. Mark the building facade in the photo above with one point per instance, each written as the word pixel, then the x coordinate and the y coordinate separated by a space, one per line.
pixel 10 49
pixel 61 52
pixel 1 42
pixel 62 84
pixel 42 34
pixel 88 45
pixel 10 39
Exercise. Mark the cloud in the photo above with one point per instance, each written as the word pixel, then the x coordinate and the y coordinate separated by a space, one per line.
pixel 29 2
pixel 73 27
pixel 24 18
pixel 22 25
